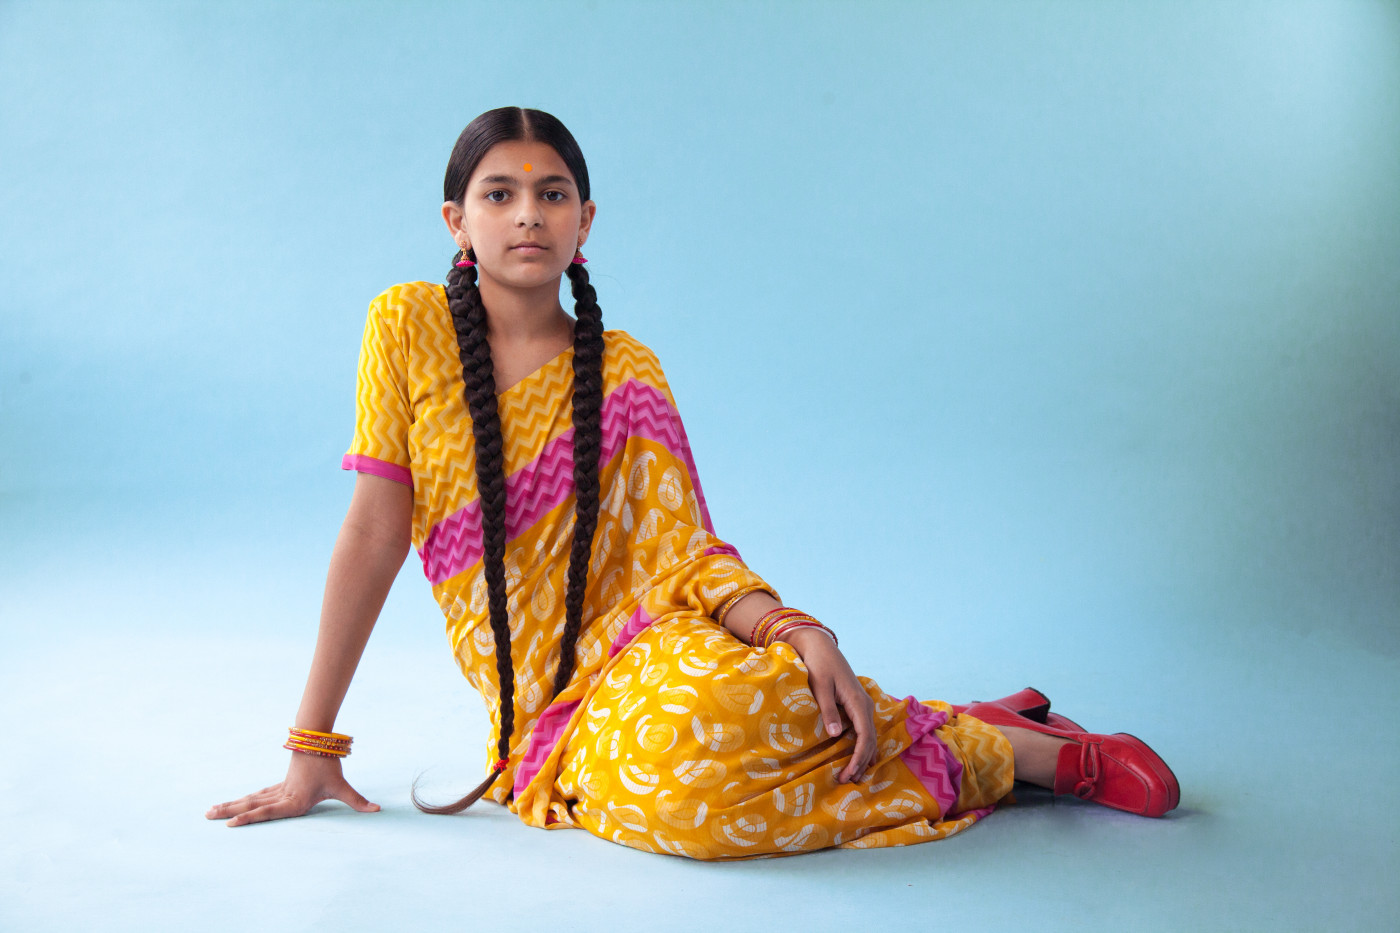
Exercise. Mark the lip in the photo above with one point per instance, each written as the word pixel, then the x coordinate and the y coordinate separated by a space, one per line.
pixel 529 247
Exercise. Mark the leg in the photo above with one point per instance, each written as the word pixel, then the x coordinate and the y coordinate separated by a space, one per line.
pixel 1036 754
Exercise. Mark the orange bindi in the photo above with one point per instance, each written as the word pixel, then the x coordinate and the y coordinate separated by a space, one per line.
pixel 528 167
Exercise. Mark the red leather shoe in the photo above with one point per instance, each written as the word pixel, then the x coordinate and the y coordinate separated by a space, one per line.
pixel 1032 704
pixel 1118 771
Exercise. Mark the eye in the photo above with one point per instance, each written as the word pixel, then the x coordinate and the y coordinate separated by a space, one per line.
pixel 495 191
pixel 562 195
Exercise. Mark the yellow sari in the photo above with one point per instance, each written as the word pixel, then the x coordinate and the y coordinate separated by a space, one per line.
pixel 673 736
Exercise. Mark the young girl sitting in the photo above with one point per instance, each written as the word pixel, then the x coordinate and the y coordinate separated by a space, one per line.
pixel 642 682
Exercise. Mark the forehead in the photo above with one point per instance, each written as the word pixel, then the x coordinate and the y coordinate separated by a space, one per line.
pixel 509 159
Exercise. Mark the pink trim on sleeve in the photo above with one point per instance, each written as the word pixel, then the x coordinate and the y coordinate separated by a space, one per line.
pixel 376 467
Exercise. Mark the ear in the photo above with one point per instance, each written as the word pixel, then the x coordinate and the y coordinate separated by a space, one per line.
pixel 454 216
pixel 585 222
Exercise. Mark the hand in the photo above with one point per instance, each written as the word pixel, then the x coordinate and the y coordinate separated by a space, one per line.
pixel 838 691
pixel 310 779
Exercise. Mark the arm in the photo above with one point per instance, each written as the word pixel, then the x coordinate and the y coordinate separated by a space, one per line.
pixel 833 683
pixel 370 549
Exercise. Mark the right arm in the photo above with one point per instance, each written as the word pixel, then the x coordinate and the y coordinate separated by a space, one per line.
pixel 370 549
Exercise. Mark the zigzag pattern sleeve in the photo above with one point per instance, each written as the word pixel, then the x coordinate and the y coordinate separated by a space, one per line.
pixel 383 414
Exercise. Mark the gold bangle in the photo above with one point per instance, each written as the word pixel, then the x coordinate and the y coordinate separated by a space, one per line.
pixel 728 604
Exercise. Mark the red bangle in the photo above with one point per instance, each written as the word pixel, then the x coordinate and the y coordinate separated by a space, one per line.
pixel 760 636
pixel 802 623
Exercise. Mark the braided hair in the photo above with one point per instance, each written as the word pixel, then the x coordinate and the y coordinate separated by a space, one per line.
pixel 469 321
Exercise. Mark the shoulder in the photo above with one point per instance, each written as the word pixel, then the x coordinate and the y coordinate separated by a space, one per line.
pixel 409 303
pixel 625 357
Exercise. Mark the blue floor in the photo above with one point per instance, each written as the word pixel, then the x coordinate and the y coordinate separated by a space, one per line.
pixel 141 682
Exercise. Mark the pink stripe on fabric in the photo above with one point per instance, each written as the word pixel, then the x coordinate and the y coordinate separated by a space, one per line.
pixel 545 736
pixel 550 726
pixel 633 409
pixel 937 768
pixel 376 467
pixel 640 620
pixel 723 549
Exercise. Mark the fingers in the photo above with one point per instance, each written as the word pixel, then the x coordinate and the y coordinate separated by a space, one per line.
pixel 276 803
pixel 276 810
pixel 861 709
pixel 823 689
pixel 243 804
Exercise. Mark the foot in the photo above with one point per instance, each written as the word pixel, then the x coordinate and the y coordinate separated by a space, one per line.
pixel 1118 771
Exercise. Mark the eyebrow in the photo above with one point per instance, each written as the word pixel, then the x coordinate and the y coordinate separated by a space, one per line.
pixel 511 180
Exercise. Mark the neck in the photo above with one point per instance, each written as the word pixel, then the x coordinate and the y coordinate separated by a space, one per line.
pixel 516 315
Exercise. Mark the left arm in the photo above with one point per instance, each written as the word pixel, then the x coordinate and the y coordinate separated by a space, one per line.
pixel 832 681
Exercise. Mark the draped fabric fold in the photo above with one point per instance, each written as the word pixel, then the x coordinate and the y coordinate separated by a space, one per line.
pixel 672 736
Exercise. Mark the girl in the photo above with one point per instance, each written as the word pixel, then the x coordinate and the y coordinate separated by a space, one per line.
pixel 643 683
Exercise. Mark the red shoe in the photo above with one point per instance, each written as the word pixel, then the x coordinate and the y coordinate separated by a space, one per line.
pixel 1118 771
pixel 1032 704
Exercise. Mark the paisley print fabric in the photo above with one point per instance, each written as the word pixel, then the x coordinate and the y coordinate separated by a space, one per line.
pixel 672 736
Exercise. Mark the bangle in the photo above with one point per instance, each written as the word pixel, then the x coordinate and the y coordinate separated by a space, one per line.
pixel 728 604
pixel 776 622
pixel 803 623
pixel 314 751
pixel 759 636
pixel 325 744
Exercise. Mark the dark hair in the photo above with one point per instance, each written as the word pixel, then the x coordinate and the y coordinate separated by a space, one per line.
pixel 506 124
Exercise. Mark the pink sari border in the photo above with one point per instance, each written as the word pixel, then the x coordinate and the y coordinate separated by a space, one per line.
pixel 640 620
pixel 552 722
pixel 633 409
pixel 376 467
pixel 725 548
pixel 937 768
pixel 548 728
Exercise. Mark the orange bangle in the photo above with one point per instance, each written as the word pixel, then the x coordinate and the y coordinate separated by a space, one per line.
pixel 311 742
pixel 328 743
pixel 307 750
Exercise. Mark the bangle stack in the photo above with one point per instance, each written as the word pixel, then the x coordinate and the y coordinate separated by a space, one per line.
pixel 325 744
pixel 778 622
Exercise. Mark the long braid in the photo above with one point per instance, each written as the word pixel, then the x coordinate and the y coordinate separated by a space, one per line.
pixel 478 373
pixel 588 403
pixel 469 321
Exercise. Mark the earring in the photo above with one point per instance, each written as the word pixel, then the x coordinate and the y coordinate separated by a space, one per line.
pixel 579 258
pixel 461 259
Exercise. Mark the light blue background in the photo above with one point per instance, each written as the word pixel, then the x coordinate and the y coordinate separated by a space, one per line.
pixel 1050 343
